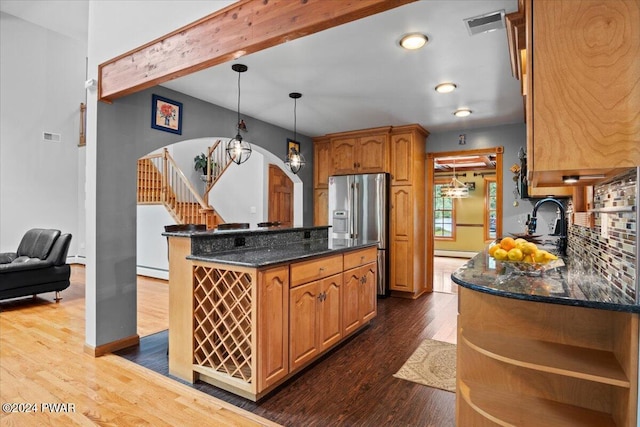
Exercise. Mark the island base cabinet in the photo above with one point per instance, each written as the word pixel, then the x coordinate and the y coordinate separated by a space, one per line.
pixel 314 319
pixel 359 297
pixel 273 326
pixel 529 363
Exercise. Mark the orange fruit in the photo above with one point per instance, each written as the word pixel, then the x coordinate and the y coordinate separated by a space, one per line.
pixel 507 243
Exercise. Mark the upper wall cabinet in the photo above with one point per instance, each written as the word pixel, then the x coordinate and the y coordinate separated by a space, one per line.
pixel 581 74
pixel 360 152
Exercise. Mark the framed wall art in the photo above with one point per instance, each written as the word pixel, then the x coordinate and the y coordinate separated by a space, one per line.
pixel 292 145
pixel 166 114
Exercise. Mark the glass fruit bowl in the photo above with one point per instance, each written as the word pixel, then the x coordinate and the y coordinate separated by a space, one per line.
pixel 530 268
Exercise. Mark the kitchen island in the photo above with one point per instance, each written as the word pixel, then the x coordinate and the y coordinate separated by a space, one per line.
pixel 556 347
pixel 248 309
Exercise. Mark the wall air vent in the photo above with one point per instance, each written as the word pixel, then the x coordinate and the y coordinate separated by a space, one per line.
pixel 51 137
pixel 485 23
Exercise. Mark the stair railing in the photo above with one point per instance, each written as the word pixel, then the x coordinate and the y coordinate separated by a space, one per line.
pixel 160 180
pixel 217 156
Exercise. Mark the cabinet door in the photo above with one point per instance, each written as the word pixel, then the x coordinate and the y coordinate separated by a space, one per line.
pixel 321 206
pixel 273 326
pixel 350 301
pixel 586 81
pixel 343 151
pixel 401 274
pixel 329 311
pixel 368 292
pixel 401 159
pixel 322 163
pixel 303 325
pixel 371 154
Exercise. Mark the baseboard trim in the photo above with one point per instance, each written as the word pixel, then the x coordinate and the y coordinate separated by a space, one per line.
pixel 112 346
pixel 156 273
pixel 455 254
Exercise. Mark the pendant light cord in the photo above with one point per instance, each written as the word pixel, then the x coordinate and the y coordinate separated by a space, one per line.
pixel 238 123
pixel 295 105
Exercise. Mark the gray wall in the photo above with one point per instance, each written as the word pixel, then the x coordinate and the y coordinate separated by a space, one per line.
pixel 124 134
pixel 512 138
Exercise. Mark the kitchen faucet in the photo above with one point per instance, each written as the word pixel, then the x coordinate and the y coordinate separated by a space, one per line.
pixel 562 240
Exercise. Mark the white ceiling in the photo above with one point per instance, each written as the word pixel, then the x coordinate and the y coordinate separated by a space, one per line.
pixel 356 76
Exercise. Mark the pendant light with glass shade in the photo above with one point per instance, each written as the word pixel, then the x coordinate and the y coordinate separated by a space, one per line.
pixel 294 160
pixel 238 149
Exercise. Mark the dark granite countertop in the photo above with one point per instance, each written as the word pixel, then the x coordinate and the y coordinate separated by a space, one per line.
pixel 260 257
pixel 561 285
pixel 244 231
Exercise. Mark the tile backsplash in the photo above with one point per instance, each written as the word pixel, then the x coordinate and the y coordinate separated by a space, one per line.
pixel 610 247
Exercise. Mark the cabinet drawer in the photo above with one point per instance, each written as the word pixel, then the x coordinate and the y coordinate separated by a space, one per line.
pixel 360 257
pixel 307 271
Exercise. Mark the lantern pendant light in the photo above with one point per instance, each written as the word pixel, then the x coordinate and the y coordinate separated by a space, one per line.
pixel 455 189
pixel 294 160
pixel 239 150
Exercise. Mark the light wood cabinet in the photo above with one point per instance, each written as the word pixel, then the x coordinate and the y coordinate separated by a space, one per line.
pixel 315 319
pixel 356 154
pixel 402 266
pixel 273 326
pixel 401 159
pixel 399 151
pixel 321 206
pixel 358 297
pixel 248 329
pixel 408 262
pixel 321 162
pixel 532 363
pixel 583 90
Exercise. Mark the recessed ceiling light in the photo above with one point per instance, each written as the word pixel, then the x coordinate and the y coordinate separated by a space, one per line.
pixel 462 112
pixel 413 41
pixel 571 179
pixel 446 87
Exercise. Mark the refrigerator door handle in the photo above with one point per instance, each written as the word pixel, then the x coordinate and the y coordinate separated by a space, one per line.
pixel 356 195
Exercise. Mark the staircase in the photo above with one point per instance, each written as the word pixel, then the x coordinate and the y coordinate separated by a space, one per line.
pixel 160 181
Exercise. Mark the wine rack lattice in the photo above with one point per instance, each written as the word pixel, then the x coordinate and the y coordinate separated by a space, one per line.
pixel 222 321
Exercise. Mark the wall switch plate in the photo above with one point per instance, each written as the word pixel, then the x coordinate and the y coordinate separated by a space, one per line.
pixel 253 210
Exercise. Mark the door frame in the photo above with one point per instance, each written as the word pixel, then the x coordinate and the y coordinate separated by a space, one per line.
pixel 430 165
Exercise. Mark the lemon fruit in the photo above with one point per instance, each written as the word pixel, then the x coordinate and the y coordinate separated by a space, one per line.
pixel 529 248
pixel 493 249
pixel 540 256
pixel 515 254
pixel 500 254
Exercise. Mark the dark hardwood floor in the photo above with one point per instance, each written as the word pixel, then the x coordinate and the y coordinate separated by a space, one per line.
pixel 353 385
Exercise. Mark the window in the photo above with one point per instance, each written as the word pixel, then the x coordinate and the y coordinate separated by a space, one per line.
pixel 491 206
pixel 444 227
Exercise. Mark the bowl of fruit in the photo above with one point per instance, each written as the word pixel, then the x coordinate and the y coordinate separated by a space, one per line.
pixel 522 256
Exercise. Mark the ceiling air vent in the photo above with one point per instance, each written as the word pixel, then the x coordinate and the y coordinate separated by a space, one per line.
pixel 485 23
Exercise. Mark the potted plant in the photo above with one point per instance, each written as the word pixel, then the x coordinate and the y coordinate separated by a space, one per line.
pixel 200 164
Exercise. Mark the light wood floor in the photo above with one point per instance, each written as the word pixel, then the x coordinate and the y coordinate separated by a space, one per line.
pixel 42 361
pixel 442 269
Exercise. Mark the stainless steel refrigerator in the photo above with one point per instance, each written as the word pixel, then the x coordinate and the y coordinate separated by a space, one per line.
pixel 358 209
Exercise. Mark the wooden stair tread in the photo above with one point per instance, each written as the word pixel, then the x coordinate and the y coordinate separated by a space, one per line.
pixel 572 361
pixel 510 409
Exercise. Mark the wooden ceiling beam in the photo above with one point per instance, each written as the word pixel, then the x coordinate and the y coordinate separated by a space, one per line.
pixel 242 28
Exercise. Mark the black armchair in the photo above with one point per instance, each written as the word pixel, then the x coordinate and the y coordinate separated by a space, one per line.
pixel 39 265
